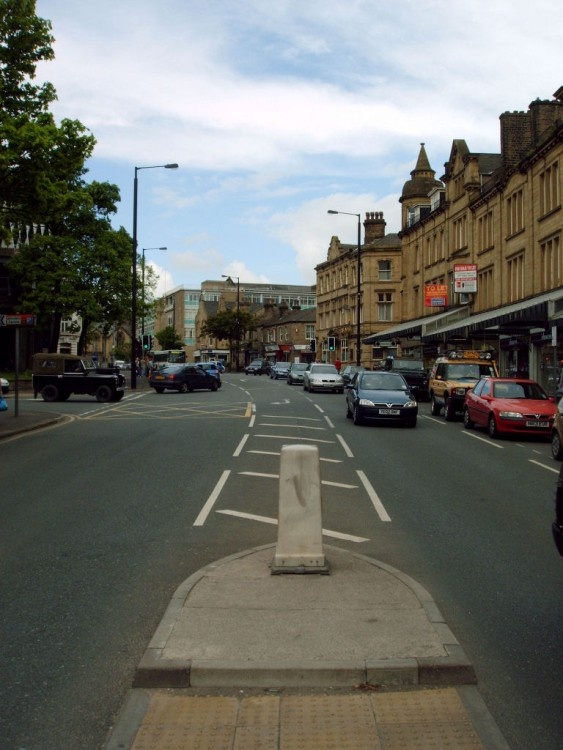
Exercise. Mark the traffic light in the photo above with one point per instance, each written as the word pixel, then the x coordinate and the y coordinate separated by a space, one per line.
pixel 146 342
pixel 331 343
pixel 313 345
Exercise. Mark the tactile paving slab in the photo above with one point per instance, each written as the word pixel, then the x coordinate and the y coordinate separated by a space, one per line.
pixel 411 720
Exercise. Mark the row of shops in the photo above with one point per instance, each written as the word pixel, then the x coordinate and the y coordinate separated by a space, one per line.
pixel 526 337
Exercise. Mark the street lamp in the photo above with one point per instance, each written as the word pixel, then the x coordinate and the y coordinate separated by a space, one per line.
pixel 134 280
pixel 359 288
pixel 237 344
pixel 145 249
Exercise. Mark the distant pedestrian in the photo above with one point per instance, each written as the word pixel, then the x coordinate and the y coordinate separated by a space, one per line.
pixel 337 364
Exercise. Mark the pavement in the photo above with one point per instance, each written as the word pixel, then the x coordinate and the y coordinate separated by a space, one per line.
pixel 353 658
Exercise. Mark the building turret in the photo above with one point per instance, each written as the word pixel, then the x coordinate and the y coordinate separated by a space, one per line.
pixel 416 190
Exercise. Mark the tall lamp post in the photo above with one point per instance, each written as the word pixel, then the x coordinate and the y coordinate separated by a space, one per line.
pixel 145 249
pixel 134 280
pixel 359 287
pixel 237 344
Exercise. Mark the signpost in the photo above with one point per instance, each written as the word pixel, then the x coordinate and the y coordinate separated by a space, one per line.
pixel 17 320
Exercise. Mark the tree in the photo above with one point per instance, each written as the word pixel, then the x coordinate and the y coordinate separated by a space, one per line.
pixel 168 338
pixel 68 259
pixel 230 325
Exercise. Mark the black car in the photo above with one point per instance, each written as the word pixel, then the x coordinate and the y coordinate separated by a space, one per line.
pixel 183 378
pixel 295 374
pixel 349 371
pixel 380 397
pixel 212 369
pixel 256 367
pixel 414 372
pixel 557 526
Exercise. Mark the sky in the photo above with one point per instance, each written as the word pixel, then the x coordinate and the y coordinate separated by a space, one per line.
pixel 277 111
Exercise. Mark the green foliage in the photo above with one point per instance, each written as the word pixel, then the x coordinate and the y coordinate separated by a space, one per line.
pixel 229 325
pixel 69 260
pixel 168 338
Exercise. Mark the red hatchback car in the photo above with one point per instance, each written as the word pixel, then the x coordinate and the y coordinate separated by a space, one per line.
pixel 508 406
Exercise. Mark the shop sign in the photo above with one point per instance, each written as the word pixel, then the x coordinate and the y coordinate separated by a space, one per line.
pixel 465 278
pixel 436 295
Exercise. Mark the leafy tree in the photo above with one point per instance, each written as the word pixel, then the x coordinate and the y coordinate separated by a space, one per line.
pixel 230 325
pixel 68 258
pixel 169 339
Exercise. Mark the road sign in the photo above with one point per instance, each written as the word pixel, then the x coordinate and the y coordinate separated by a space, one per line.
pixel 18 319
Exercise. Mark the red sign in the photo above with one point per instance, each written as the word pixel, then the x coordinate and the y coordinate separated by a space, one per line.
pixel 436 295
pixel 17 320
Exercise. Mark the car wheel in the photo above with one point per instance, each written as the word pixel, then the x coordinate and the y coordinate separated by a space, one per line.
pixel 183 388
pixel 449 411
pixel 357 417
pixel 214 386
pixel 493 429
pixel 104 394
pixel 556 447
pixel 159 390
pixel 434 407
pixel 467 421
pixel 50 393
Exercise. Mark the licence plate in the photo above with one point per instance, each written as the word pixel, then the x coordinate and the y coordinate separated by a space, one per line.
pixel 393 412
pixel 537 424
pixel 159 377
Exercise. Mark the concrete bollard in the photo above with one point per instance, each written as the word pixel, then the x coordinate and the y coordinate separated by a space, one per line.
pixel 300 534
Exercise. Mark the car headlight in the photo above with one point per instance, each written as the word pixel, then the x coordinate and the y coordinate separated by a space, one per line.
pixel 510 415
pixel 410 405
pixel 460 391
pixel 366 402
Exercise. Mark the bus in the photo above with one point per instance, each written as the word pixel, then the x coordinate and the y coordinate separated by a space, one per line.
pixel 169 356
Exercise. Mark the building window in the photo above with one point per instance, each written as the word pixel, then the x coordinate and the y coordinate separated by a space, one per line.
pixel 551 263
pixel 460 233
pixel 384 270
pixel 516 277
pixel 549 189
pixel 486 241
pixel 384 306
pixel 485 289
pixel 515 213
pixel 310 331
pixel 344 350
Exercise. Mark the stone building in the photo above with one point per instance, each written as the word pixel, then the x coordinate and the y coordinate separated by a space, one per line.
pixel 481 249
pixel 285 335
pixel 358 295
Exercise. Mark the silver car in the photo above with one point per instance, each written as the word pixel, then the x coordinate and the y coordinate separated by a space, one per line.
pixel 322 377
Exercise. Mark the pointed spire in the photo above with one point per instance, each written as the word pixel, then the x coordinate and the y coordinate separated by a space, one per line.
pixel 422 164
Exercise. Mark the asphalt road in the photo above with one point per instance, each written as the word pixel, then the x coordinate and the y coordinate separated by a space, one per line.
pixel 106 515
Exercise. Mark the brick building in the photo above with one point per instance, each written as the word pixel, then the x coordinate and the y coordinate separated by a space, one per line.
pixel 379 284
pixel 487 236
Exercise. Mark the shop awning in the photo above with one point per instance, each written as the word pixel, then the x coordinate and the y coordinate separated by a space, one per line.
pixel 522 316
pixel 415 327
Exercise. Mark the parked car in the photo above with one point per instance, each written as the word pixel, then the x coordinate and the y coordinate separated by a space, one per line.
pixel 256 367
pixel 212 369
pixel 279 370
pixel 183 378
pixel 349 371
pixel 414 373
pixel 5 385
pixel 455 374
pixel 322 377
pixel 57 376
pixel 295 373
pixel 219 364
pixel 557 433
pixel 509 406
pixel 557 525
pixel 380 397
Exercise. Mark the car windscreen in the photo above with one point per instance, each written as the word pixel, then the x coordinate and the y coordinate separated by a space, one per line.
pixel 373 381
pixel 299 367
pixel 324 370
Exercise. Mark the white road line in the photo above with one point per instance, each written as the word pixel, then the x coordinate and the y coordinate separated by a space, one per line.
pixel 277 476
pixel 554 469
pixel 294 439
pixel 240 446
pixel 344 444
pixel 329 423
pixel 277 453
pixel 318 408
pixel 301 426
pixel 274 522
pixel 482 439
pixel 373 496
pixel 206 510
pixel 287 416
